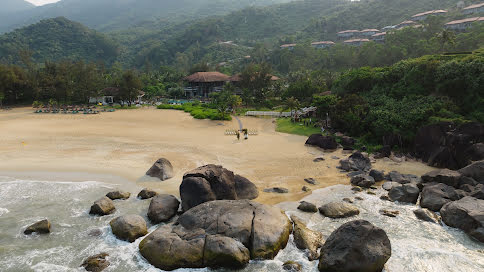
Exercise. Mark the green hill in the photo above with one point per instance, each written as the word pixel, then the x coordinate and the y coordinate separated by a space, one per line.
pixel 57 39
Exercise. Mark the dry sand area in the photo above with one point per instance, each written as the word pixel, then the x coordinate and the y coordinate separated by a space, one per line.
pixel 126 143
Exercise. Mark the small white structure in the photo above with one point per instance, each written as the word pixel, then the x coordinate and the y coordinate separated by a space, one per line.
pixel 369 32
pixel 322 44
pixel 424 15
pixel 461 25
pixel 288 46
pixel 379 37
pixel 356 42
pixel 477 8
pixel 348 33
pixel 105 100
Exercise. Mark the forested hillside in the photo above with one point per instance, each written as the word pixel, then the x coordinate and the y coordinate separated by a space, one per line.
pixel 57 39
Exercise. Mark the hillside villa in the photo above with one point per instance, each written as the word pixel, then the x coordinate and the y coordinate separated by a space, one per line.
pixel 369 32
pixel 379 37
pixel 461 25
pixel 322 44
pixel 405 24
pixel 356 42
pixel 288 46
pixel 477 8
pixel 422 16
pixel 348 33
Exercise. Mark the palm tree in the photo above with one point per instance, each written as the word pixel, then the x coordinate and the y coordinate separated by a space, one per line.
pixel 291 104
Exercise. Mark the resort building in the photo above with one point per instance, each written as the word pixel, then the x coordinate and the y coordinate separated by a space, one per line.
pixel 369 32
pixel 288 46
pixel 405 24
pixel 356 42
pixel 348 33
pixel 477 8
pixel 322 44
pixel 461 25
pixel 202 84
pixel 379 37
pixel 422 16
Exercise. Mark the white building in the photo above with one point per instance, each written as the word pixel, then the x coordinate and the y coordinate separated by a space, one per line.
pixel 422 16
pixel 348 33
pixel 463 24
pixel 356 42
pixel 477 8
pixel 322 44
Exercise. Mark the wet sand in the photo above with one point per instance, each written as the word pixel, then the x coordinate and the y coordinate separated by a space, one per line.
pixel 126 143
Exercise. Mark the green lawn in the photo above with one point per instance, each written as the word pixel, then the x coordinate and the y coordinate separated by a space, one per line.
pixel 285 125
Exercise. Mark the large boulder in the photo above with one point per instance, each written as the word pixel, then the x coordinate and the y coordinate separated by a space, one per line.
pixel 118 195
pixel 103 206
pixel 437 195
pixel 245 188
pixel 357 246
pixel 347 142
pixel 41 227
pixel 427 215
pixel 390 185
pixel 466 214
pixel 263 230
pixel 377 175
pixel 162 208
pixel 405 193
pixel 307 207
pixel 162 169
pixel 324 142
pixel 474 171
pixel 356 162
pixel 304 238
pixel 363 180
pixel 213 182
pixel 96 263
pixel 338 210
pixel 445 176
pixel 478 191
pixel 129 227
pixel 146 194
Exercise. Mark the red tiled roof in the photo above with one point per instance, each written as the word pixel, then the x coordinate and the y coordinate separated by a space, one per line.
pixel 357 40
pixel 474 6
pixel 467 20
pixel 288 45
pixel 322 42
pixel 379 34
pixel 348 31
pixel 207 77
pixel 430 12
pixel 370 30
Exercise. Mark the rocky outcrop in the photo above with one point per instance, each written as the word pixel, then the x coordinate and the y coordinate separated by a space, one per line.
pixel 355 246
pixel 324 142
pixel 466 214
pixel 437 195
pixel 307 207
pixel 338 210
pixel 129 227
pixel 390 185
pixel 146 194
pixel 103 206
pixel 427 215
pixel 364 181
pixel 41 227
pixel 445 176
pixel 213 182
pixel 162 208
pixel 405 193
pixel 356 162
pixel 305 238
pixel 245 188
pixel 240 226
pixel 118 195
pixel 96 263
pixel 403 178
pixel 162 169
pixel 377 175
pixel 446 145
pixel 474 171
pixel 292 266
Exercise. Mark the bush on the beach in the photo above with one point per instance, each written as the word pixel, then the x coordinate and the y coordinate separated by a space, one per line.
pixel 198 111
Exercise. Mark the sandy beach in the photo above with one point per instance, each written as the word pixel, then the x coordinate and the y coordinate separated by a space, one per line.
pixel 126 143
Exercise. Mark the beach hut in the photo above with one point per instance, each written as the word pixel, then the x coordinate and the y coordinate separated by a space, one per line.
pixel 106 96
pixel 202 84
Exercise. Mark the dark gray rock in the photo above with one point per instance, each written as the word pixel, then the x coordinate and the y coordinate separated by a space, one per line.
pixel 427 215
pixel 103 206
pixel 324 142
pixel 389 213
pixel 292 266
pixel 118 195
pixel 162 208
pixel 467 181
pixel 348 200
pixel 162 169
pixel 277 190
pixel 304 238
pixel 338 210
pixel 389 185
pixel 41 227
pixel 377 175
pixel 245 189
pixel 405 193
pixel 355 173
pixel 478 191
pixel 356 246
pixel 311 181
pixel 474 171
pixel 222 251
pixel 461 193
pixel 307 207
pixel 129 227
pixel 466 214
pixel 356 162
pixel 356 189
pixel 364 181
pixel 147 194
pixel 306 189
pixel 435 196
pixel 445 176
pixel 385 198
pixel 318 159
pixel 96 263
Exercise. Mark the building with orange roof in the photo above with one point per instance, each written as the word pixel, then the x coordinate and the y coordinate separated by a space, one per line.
pixel 322 44
pixel 356 42
pixel 348 33
pixel 288 46
pixel 422 16
pixel 461 25
pixel 476 8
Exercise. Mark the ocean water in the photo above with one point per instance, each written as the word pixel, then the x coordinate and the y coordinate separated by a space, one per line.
pixel 416 245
